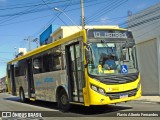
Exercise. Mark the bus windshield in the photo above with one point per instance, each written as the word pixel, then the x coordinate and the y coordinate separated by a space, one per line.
pixel 111 58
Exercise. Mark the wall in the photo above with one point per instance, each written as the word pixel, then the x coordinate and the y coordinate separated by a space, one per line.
pixel 145 26
pixel 147 62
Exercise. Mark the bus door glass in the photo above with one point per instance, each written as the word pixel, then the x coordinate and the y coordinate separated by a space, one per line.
pixel 74 66
pixel 12 79
pixel 29 77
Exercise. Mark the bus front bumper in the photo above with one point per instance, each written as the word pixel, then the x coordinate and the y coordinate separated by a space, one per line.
pixel 99 99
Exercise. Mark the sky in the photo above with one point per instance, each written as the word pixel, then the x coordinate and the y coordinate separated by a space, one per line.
pixel 20 19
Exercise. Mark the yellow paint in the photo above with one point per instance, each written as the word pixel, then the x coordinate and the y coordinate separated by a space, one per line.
pixel 100 69
pixel 99 99
pixel 32 99
pixel 109 71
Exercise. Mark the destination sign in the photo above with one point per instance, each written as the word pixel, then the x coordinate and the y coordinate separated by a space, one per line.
pixel 109 34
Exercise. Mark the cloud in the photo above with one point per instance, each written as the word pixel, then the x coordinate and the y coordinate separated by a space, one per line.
pixel 105 20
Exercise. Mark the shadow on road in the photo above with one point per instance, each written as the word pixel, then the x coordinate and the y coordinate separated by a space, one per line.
pixel 97 110
pixel 38 103
pixel 77 109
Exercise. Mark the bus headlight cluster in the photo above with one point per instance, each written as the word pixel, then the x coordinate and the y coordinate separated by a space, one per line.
pixel 98 89
pixel 138 86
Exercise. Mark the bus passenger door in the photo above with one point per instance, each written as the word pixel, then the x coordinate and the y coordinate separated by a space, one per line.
pixel 12 79
pixel 29 77
pixel 74 71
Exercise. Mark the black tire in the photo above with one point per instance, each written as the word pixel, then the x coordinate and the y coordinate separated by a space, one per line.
pixel 63 101
pixel 22 96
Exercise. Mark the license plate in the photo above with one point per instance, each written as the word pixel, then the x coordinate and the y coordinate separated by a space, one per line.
pixel 124 96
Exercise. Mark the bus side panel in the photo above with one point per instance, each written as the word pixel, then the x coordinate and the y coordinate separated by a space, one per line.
pixel 21 83
pixel 46 84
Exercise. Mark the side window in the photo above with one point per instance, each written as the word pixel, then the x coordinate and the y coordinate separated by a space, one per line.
pixel 21 67
pixel 57 63
pixel 8 70
pixel 78 57
pixel 16 67
pixel 37 65
pixel 47 63
pixel 57 59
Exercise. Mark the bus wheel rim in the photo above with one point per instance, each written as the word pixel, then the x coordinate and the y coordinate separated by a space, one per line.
pixel 64 99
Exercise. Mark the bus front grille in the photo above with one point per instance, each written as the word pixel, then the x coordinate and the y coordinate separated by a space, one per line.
pixel 119 79
pixel 118 95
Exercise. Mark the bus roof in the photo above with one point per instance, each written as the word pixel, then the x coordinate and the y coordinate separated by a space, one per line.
pixel 48 46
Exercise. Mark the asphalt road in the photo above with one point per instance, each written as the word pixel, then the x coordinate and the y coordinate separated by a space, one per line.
pixel 49 110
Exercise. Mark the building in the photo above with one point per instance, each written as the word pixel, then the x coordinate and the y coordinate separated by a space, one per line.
pixel 65 31
pixel 146 30
pixel 45 36
pixel 3 84
pixel 53 32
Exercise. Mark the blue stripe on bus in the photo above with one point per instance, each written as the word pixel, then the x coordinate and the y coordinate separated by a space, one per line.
pixel 48 80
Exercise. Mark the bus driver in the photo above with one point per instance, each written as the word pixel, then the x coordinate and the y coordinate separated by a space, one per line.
pixel 109 63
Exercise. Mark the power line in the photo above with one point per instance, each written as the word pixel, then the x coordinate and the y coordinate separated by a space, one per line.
pixel 112 6
pixel 38 10
pixel 141 19
pixel 92 4
pixel 55 14
pixel 15 16
pixel 32 5
pixel 51 20
pixel 28 20
pixel 101 8
pixel 28 12
pixel 50 15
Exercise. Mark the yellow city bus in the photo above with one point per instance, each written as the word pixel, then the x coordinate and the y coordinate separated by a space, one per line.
pixel 73 70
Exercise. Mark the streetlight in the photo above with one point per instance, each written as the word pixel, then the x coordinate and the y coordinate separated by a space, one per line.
pixel 57 9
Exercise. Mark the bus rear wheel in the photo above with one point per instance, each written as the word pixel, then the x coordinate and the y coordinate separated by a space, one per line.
pixel 22 96
pixel 63 101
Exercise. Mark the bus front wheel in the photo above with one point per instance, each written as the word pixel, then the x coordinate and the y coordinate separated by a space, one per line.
pixel 63 101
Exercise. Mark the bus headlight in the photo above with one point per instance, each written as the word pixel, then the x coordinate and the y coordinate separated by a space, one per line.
pixel 101 91
pixel 98 89
pixel 94 88
pixel 138 86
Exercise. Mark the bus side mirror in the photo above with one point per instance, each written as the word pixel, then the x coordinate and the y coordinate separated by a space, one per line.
pixel 36 64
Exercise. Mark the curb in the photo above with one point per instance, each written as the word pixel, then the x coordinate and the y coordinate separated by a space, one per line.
pixel 147 101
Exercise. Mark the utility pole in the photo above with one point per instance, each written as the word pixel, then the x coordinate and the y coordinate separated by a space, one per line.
pixel 82 15
pixel 29 43
pixel 35 40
